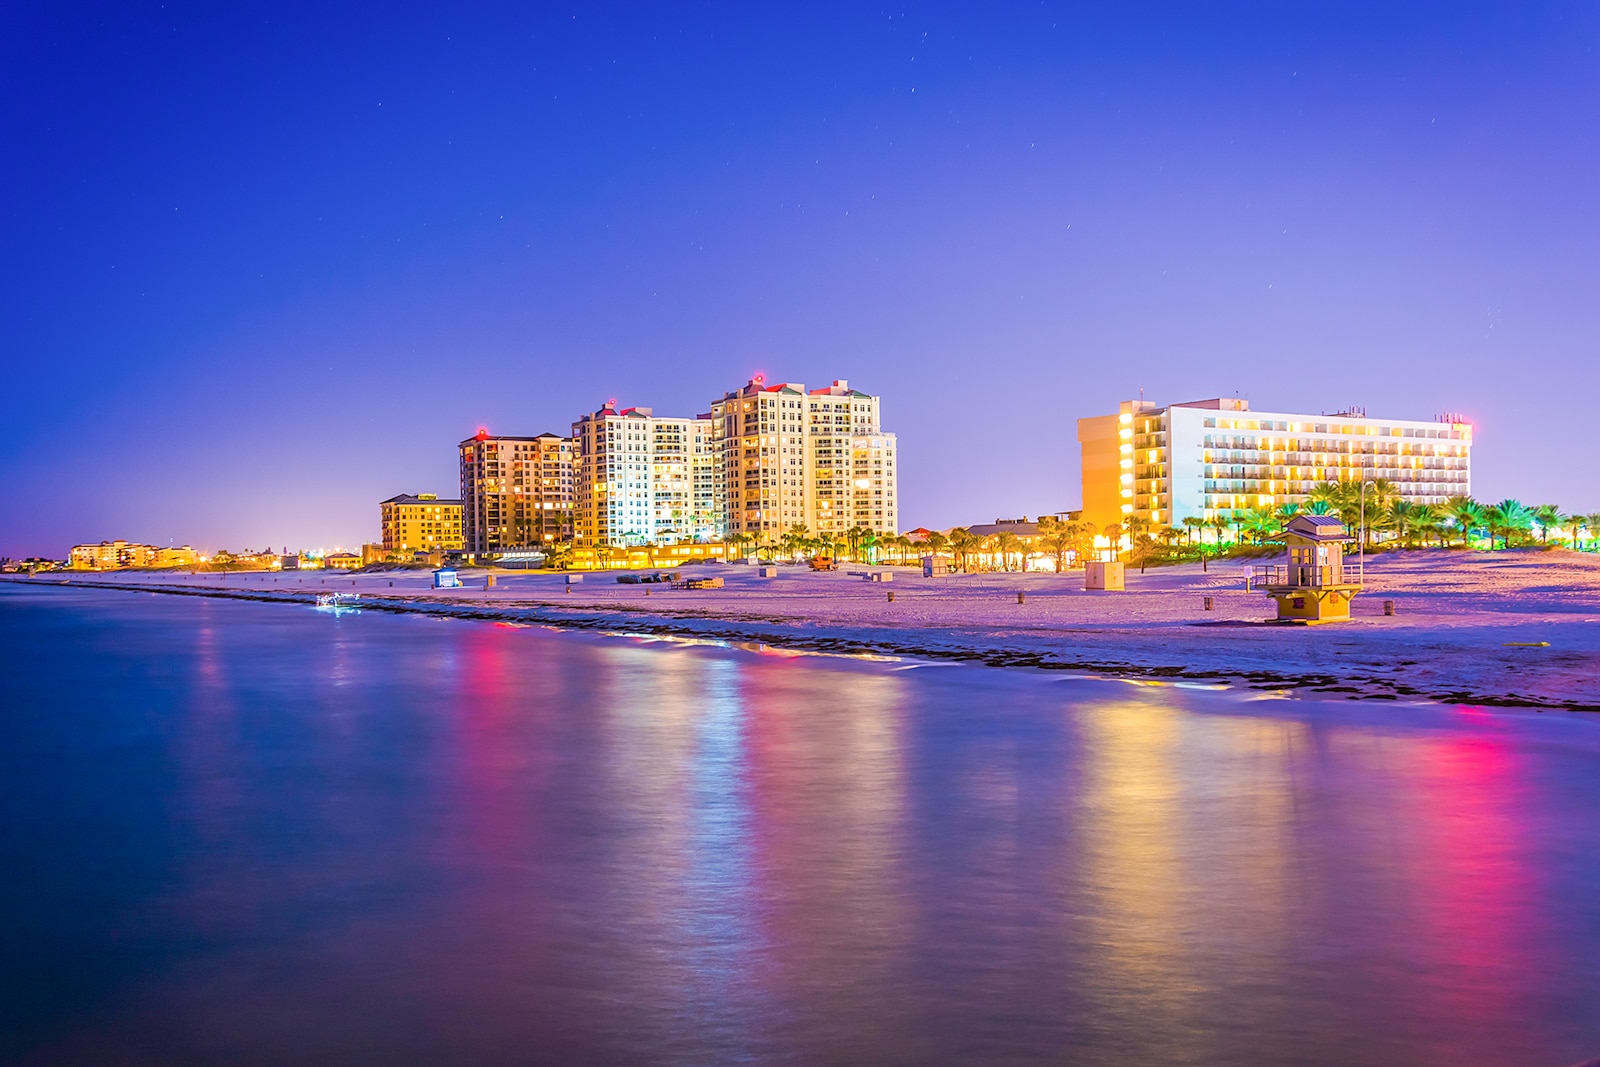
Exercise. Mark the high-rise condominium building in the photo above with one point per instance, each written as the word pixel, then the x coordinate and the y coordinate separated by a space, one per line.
pixel 1214 458
pixel 516 492
pixel 853 469
pixel 643 479
pixel 760 436
pixel 421 523
pixel 792 457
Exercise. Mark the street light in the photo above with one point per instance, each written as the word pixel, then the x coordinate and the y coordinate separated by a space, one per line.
pixel 1361 543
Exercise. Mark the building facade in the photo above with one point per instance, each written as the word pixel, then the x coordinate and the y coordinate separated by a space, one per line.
pixel 853 462
pixel 110 555
pixel 791 457
pixel 1212 458
pixel 516 492
pixel 421 523
pixel 642 479
pixel 760 436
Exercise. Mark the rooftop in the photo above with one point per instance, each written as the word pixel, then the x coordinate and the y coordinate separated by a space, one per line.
pixel 423 498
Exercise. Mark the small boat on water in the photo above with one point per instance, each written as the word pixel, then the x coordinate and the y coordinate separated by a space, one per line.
pixel 338 603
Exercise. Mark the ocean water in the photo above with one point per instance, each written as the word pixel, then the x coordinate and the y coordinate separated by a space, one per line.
pixel 244 833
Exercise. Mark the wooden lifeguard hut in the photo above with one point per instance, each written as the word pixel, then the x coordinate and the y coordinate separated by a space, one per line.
pixel 1311 588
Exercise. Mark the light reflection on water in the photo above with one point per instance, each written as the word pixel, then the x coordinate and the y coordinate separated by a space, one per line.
pixel 251 834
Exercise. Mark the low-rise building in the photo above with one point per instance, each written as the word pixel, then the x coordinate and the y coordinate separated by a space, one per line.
pixel 342 561
pixel 183 556
pixel 111 555
pixel 422 522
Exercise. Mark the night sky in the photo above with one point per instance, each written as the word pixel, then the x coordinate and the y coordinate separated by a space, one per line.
pixel 264 267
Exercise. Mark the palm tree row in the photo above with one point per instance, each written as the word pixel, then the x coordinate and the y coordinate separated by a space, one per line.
pixel 1381 510
pixel 1378 514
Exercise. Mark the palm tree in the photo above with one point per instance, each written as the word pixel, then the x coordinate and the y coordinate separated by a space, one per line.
pixel 1519 518
pixel 1426 519
pixel 1086 534
pixel 1261 522
pixel 1191 523
pixel 1368 501
pixel 1547 515
pixel 1507 518
pixel 789 543
pixel 1467 515
pixel 1397 516
pixel 963 541
pixel 1113 535
pixel 853 538
pixel 1592 522
pixel 936 542
pixel 1007 543
pixel 1144 550
pixel 1326 497
pixel 1059 540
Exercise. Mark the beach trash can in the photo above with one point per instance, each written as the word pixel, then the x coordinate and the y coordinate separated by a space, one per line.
pixel 1388 607
pixel 488 581
pixel 1210 604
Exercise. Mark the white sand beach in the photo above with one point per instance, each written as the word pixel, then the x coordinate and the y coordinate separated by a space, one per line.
pixel 1506 628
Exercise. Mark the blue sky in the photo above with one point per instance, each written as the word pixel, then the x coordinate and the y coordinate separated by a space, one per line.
pixel 267 265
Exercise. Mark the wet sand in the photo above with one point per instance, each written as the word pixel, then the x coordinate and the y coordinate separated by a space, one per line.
pixel 1469 628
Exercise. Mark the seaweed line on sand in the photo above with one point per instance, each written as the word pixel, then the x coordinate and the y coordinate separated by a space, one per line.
pixel 780 632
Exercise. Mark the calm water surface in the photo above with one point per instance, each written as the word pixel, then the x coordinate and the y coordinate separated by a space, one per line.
pixel 245 833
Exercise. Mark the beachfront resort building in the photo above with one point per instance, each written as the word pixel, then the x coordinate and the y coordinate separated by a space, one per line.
pixel 114 555
pixel 760 434
pixel 643 479
pixel 516 492
pixel 1217 458
pixel 421 523
pixel 796 457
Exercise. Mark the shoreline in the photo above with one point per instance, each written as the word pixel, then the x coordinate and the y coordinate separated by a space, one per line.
pixel 1420 660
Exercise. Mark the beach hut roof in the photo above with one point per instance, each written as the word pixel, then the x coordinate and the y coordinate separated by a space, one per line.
pixel 1318 527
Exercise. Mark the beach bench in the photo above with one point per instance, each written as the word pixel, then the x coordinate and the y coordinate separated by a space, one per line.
pixel 699 583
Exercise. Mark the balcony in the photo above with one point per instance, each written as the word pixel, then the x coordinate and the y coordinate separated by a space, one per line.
pixel 1295 576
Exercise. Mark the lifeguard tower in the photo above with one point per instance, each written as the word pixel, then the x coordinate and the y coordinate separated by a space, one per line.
pixel 1311 588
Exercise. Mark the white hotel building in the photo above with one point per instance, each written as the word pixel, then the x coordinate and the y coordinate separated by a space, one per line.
pixel 1217 457
pixel 639 479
